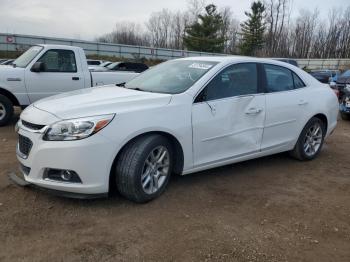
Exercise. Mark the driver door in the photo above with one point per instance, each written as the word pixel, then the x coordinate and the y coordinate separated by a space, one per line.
pixel 60 74
pixel 228 116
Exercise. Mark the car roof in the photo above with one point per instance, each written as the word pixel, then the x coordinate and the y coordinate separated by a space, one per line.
pixel 233 59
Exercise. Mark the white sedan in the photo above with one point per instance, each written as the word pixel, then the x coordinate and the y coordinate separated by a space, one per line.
pixel 180 117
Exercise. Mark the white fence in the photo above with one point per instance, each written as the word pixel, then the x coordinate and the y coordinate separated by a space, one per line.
pixel 324 63
pixel 16 42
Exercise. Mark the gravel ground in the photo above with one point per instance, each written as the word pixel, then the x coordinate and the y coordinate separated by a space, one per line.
pixel 269 209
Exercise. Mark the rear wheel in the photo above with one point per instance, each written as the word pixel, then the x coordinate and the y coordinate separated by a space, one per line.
pixel 310 141
pixel 6 110
pixel 144 167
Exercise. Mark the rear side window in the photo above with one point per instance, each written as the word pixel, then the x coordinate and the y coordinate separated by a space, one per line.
pixel 59 61
pixel 298 83
pixel 235 80
pixel 280 79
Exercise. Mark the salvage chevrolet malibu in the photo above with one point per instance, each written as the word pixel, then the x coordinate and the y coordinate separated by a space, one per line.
pixel 179 117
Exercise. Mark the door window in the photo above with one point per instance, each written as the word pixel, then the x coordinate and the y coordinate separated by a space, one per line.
pixel 298 83
pixel 59 61
pixel 280 79
pixel 235 80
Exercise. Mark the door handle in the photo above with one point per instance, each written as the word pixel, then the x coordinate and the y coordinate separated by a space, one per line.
pixel 302 103
pixel 253 111
pixel 75 78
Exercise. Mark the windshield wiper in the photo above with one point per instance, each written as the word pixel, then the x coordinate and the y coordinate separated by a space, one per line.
pixel 142 90
pixel 121 84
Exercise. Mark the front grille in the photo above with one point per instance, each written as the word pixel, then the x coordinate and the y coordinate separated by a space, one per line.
pixel 32 126
pixel 24 145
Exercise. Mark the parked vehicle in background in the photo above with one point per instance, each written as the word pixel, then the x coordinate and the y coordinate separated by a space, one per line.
pixel 98 69
pixel 94 62
pixel 342 81
pixel 181 116
pixel 2 60
pixel 325 76
pixel 46 70
pixel 7 62
pixel 287 60
pixel 344 106
pixel 128 66
pixel 105 64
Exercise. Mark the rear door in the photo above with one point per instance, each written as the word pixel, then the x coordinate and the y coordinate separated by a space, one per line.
pixel 228 115
pixel 287 100
pixel 62 73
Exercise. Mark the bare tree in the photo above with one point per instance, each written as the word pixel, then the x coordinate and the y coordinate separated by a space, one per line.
pixel 305 36
pixel 128 33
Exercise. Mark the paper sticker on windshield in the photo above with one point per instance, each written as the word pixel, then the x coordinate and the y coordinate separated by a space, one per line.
pixel 200 66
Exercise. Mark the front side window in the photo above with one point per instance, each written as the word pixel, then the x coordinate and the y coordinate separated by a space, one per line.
pixel 59 61
pixel 235 80
pixel 171 77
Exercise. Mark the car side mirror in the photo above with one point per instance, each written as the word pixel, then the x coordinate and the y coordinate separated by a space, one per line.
pixel 38 67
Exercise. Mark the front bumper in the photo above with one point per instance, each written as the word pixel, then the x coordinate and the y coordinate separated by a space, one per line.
pixel 90 158
pixel 20 180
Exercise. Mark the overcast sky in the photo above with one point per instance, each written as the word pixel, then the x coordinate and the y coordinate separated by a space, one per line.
pixel 87 19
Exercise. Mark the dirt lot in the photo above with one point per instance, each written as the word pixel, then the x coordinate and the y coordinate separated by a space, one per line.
pixel 270 209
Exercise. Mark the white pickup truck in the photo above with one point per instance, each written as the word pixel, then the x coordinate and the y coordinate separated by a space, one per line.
pixel 46 70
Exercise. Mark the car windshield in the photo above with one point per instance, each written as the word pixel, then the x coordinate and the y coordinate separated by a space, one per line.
pixel 111 66
pixel 27 56
pixel 172 77
pixel 346 73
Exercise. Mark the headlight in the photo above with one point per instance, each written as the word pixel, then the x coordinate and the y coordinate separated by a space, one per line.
pixel 75 129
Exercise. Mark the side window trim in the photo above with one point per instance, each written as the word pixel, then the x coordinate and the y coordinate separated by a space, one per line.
pixel 260 87
pixel 75 61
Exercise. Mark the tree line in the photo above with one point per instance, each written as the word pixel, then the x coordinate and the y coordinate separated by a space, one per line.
pixel 268 30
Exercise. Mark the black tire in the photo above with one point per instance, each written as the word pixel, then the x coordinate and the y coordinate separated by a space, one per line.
pixel 298 152
pixel 345 116
pixel 6 110
pixel 131 163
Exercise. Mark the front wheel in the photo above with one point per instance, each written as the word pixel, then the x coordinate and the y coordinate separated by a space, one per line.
pixel 310 141
pixel 6 110
pixel 144 167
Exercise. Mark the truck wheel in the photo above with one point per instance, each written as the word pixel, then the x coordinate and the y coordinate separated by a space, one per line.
pixel 310 141
pixel 144 167
pixel 6 110
pixel 345 116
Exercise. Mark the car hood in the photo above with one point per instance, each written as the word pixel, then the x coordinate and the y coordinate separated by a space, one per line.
pixel 99 101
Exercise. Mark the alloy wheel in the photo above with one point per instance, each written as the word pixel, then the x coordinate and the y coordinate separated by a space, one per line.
pixel 313 139
pixel 2 111
pixel 155 170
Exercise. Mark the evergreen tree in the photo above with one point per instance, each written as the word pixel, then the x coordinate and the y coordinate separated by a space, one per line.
pixel 253 30
pixel 204 34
